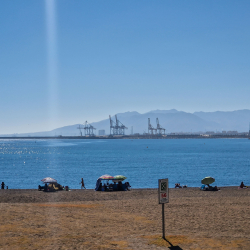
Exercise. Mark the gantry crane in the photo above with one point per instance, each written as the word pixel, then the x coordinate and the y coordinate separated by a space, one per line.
pixel 116 128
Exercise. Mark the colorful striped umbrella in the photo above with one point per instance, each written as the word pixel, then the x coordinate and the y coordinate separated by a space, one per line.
pixel 106 177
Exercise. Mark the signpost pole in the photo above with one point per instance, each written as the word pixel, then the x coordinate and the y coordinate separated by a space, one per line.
pixel 163 198
pixel 163 222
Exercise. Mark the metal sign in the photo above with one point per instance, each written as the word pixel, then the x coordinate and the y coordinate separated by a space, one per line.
pixel 163 193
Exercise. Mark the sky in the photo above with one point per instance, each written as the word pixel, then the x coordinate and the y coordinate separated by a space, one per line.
pixel 63 62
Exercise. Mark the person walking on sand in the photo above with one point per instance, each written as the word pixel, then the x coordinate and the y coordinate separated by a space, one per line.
pixel 82 182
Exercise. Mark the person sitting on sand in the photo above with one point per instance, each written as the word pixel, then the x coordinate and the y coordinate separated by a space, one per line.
pixel 110 187
pixel 82 182
pixel 178 185
pixel 127 185
pixel 216 188
pixel 119 186
pixel 242 185
pixel 100 187
pixel 115 186
pixel 210 188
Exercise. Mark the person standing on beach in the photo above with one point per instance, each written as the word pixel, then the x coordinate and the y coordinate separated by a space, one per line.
pixel 82 182
pixel 2 185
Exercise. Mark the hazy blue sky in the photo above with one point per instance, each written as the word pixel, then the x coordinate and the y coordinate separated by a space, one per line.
pixel 66 61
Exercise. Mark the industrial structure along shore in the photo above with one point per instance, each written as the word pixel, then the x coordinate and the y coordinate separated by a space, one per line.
pixel 170 136
pixel 117 131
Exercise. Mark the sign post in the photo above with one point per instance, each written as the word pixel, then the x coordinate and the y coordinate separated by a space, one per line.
pixel 163 195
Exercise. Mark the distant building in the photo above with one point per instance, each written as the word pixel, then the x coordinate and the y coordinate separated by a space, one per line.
pixel 204 135
pixel 210 133
pixel 101 132
pixel 234 132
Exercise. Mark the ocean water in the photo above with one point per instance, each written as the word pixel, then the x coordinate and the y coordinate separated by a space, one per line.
pixel 23 163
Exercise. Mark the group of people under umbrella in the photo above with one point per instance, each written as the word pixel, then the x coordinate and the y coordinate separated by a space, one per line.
pixel 206 182
pixel 112 183
pixel 51 185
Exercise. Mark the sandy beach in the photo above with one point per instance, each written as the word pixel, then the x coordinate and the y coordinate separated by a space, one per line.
pixel 85 219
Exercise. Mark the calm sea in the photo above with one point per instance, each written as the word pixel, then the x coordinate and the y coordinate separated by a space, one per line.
pixel 23 163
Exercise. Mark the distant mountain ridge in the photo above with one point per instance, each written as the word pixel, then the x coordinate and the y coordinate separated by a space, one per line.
pixel 157 111
pixel 173 121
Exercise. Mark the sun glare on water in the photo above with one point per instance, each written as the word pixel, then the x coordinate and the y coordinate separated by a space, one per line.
pixel 52 77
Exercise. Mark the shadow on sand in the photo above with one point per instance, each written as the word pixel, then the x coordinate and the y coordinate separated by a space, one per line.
pixel 172 247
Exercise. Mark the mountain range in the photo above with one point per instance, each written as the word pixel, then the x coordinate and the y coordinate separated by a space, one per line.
pixel 173 121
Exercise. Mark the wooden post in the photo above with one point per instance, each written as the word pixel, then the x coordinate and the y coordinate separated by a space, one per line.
pixel 163 222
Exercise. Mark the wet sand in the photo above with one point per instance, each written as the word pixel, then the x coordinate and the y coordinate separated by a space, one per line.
pixel 85 219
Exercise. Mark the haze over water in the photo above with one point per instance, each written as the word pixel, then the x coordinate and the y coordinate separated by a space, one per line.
pixel 23 163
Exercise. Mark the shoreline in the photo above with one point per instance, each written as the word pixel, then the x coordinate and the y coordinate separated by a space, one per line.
pixel 88 195
pixel 92 189
pixel 174 136
pixel 78 189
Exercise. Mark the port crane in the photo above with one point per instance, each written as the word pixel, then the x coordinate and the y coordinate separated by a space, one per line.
pixel 80 129
pixel 116 127
pixel 89 129
pixel 159 129
pixel 151 129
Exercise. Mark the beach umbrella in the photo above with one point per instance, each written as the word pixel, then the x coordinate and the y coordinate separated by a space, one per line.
pixel 49 180
pixel 207 180
pixel 120 177
pixel 106 177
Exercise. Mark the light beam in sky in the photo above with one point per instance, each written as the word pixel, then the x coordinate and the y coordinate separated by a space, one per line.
pixel 52 61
